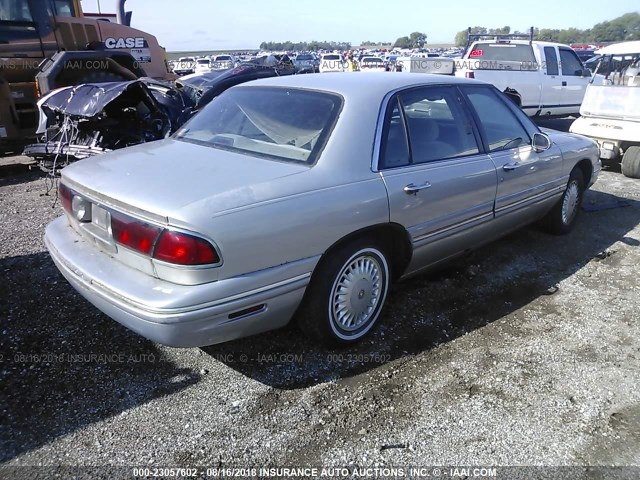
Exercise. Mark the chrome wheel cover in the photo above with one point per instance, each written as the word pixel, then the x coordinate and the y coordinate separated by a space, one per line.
pixel 358 293
pixel 570 202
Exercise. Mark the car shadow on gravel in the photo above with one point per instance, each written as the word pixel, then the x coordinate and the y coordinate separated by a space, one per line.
pixel 14 175
pixel 432 309
pixel 64 365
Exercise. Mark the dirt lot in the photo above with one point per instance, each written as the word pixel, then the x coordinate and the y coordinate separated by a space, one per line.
pixel 527 352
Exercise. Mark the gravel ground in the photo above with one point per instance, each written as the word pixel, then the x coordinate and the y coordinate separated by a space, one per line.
pixel 526 352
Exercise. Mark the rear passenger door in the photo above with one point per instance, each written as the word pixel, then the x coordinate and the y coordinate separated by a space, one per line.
pixel 438 181
pixel 525 177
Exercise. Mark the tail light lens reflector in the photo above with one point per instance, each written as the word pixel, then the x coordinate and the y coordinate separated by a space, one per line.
pixel 132 233
pixel 182 249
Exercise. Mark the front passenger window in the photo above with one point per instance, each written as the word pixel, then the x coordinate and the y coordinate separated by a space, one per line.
pixel 571 64
pixel 502 129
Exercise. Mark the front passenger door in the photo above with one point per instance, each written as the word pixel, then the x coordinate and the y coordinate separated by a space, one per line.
pixel 439 183
pixel 526 177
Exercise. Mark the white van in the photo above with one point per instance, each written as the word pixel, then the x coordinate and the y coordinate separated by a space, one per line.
pixel 610 111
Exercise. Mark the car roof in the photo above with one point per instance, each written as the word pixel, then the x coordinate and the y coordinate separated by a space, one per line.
pixel 624 48
pixel 521 42
pixel 350 83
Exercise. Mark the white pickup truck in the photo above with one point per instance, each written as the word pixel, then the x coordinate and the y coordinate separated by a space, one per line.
pixel 543 78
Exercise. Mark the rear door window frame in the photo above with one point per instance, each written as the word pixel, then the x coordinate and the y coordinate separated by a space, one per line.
pixel 393 99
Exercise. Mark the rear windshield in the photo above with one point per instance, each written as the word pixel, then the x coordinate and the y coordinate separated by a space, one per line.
pixel 272 122
pixel 503 52
pixel 223 57
pixel 201 62
pixel 331 57
pixel 304 57
pixel 372 60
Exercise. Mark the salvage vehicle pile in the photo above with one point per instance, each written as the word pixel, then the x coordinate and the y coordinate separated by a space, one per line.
pixel 89 119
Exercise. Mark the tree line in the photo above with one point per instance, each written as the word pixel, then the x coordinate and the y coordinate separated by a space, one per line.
pixel 623 28
pixel 413 40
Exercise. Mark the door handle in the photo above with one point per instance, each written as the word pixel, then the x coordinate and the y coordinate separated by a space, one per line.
pixel 412 188
pixel 507 167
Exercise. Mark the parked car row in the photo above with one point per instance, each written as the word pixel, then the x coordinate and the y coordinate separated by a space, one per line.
pixel 188 65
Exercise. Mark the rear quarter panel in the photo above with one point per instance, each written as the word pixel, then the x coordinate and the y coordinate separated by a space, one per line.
pixel 295 227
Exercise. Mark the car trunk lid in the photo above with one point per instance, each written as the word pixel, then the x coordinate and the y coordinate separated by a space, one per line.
pixel 161 180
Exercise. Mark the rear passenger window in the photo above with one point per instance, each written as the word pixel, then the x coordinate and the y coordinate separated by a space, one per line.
pixel 552 60
pixel 501 127
pixel 438 126
pixel 395 151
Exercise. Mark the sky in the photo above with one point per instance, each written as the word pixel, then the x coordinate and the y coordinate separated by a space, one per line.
pixel 194 25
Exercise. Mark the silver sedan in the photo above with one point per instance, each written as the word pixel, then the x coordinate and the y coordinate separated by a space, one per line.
pixel 304 197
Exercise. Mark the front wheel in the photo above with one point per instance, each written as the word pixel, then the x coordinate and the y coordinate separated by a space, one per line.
pixel 631 162
pixel 346 295
pixel 563 215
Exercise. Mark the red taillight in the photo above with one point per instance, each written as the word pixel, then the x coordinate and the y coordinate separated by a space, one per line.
pixel 172 247
pixel 183 249
pixel 138 236
pixel 469 75
pixel 66 197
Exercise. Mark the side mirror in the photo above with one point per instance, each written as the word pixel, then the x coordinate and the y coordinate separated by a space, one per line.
pixel 541 142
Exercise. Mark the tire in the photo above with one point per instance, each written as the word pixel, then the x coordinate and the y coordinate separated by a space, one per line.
pixel 631 162
pixel 562 216
pixel 361 271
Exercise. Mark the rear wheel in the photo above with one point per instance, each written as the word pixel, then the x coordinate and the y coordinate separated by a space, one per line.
pixel 562 216
pixel 631 162
pixel 346 295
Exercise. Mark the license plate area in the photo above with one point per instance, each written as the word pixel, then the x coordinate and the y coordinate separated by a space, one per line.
pixel 101 218
pixel 100 228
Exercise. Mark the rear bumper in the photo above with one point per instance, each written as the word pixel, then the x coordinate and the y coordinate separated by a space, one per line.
pixel 160 311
